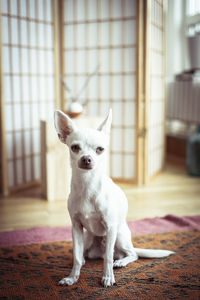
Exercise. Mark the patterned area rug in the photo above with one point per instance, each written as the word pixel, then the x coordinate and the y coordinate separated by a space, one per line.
pixel 52 234
pixel 32 271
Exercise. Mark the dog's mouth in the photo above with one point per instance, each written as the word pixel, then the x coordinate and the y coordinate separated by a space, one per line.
pixel 86 167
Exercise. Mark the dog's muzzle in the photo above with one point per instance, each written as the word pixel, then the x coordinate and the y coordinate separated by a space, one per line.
pixel 86 162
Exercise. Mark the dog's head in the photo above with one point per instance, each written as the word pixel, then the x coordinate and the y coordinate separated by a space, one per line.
pixel 87 146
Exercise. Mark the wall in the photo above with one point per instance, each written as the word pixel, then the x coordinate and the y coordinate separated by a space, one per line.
pixel 176 41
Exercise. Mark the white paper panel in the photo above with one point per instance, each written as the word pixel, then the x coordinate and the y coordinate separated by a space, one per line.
pixel 23 8
pixel 13 8
pixel 116 38
pixel 34 112
pixel 93 108
pixel 129 166
pixel 32 10
pixel 42 61
pixel 33 36
pixel 155 161
pixel 23 60
pixel 130 32
pixel 130 60
pixel 117 9
pixel 156 88
pixel 105 87
pixel 41 10
pixel 9 142
pixel 17 116
pixel 16 89
pixel 117 90
pixel 69 36
pixel 8 117
pixel 4 7
pixel 107 40
pixel 117 64
pixel 156 112
pixel 25 88
pixel 92 34
pixel 129 140
pixel 24 67
pixel 7 88
pixel 130 8
pixel 155 137
pixel 69 62
pixel 81 34
pixel 92 9
pixel 105 34
pixel 81 61
pixel 104 12
pixel 49 11
pixel 92 88
pixel 104 61
pixel 6 60
pixel 23 32
pixel 26 114
pixel 156 109
pixel 41 35
pixel 81 5
pixel 130 87
pixel 117 145
pixel 18 144
pixel 116 170
pixel 5 32
pixel 15 60
pixel 117 108
pixel 69 10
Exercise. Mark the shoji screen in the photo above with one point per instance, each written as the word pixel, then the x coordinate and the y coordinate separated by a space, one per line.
pixel 155 88
pixel 104 33
pixel 28 75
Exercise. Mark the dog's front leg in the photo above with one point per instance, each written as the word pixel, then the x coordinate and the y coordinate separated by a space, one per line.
pixel 77 234
pixel 108 278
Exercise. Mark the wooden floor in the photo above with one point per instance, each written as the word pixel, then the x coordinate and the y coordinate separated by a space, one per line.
pixel 171 192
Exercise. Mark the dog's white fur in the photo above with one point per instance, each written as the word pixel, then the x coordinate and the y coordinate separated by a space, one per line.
pixel 96 204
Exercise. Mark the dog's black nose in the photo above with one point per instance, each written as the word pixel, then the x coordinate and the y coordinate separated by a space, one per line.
pixel 86 162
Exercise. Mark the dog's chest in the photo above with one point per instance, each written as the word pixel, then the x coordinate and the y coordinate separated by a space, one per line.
pixel 88 214
pixel 93 222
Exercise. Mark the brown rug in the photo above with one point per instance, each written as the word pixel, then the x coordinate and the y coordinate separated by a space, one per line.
pixel 33 271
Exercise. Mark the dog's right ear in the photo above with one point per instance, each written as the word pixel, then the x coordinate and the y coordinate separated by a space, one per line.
pixel 64 125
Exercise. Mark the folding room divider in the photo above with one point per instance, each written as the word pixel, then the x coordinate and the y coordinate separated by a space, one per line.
pixel 44 41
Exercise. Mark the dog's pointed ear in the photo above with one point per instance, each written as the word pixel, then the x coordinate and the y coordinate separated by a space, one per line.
pixel 64 125
pixel 106 125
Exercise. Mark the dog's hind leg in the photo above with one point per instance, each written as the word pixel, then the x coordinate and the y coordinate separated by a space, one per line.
pixel 124 245
pixel 93 246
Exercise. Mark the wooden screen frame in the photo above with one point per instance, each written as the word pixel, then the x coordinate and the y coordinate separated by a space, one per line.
pixel 147 76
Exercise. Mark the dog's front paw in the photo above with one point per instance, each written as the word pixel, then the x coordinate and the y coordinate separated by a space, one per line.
pixel 68 281
pixel 108 280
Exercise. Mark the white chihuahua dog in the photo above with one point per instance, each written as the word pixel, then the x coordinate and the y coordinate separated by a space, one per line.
pixel 96 203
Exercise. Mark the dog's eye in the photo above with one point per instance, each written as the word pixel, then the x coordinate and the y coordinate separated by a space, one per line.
pixel 75 148
pixel 99 150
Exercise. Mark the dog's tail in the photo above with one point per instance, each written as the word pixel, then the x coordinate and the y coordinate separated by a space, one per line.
pixel 151 253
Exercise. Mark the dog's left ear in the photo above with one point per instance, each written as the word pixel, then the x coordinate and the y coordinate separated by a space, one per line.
pixel 64 125
pixel 106 125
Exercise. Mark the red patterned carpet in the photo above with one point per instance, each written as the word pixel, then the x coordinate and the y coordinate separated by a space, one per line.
pixel 32 271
